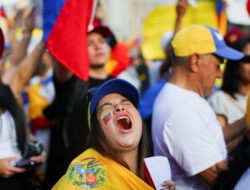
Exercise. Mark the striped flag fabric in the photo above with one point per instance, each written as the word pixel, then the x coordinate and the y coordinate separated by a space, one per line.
pixel 65 26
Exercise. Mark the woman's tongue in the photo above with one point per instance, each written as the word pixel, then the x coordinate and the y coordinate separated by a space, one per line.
pixel 123 124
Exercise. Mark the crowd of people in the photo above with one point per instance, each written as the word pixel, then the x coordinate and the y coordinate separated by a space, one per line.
pixel 95 134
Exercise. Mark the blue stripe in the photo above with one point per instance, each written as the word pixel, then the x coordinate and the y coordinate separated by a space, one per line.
pixel 106 116
pixel 47 80
pixel 51 10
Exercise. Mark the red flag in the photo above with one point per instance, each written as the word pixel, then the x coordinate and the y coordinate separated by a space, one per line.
pixel 2 12
pixel 65 33
pixel 248 7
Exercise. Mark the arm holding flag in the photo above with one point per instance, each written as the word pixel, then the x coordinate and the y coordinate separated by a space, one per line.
pixel 61 73
pixel 65 26
pixel 181 8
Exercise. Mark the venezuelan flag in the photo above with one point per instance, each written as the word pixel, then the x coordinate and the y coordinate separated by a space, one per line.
pixel 221 16
pixel 119 60
pixel 106 117
pixel 65 26
pixel 40 94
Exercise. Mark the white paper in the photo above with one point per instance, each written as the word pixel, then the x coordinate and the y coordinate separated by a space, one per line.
pixel 192 3
pixel 159 170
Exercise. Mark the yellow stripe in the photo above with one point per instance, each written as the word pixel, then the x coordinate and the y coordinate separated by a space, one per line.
pixel 89 116
pixel 106 113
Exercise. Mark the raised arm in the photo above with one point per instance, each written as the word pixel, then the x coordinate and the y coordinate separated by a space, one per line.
pixel 180 10
pixel 61 73
pixel 26 70
pixel 21 51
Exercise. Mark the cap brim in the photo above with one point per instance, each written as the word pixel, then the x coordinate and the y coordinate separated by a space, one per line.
pixel 229 53
pixel 119 86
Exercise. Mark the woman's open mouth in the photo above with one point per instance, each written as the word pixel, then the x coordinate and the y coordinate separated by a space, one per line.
pixel 124 123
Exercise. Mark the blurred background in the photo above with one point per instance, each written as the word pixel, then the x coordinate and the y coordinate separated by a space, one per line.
pixel 139 19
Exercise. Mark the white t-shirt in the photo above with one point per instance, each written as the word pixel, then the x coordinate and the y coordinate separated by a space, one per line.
pixel 223 105
pixel 8 138
pixel 186 130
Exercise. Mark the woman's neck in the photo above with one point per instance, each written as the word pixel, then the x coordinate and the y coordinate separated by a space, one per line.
pixel 98 73
pixel 131 158
pixel 244 88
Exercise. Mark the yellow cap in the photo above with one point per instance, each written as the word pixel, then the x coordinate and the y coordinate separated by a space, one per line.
pixel 193 39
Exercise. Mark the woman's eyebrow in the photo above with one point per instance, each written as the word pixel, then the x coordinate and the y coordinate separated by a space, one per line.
pixel 110 104
pixel 125 100
pixel 105 104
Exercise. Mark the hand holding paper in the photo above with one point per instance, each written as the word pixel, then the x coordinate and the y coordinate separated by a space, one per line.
pixel 159 170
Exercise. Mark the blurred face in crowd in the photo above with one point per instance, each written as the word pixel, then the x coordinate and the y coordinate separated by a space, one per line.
pixel 120 122
pixel 244 68
pixel 209 71
pixel 98 49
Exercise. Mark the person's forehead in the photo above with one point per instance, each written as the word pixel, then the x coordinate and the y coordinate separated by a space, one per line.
pixel 111 97
pixel 93 35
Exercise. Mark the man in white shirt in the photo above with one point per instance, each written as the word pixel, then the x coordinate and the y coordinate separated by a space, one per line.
pixel 184 127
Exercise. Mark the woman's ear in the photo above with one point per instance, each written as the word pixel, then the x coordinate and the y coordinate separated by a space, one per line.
pixel 194 62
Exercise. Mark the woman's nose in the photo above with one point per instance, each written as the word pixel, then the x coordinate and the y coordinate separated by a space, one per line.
pixel 118 108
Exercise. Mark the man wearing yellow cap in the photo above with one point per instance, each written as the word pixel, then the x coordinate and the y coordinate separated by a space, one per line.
pixel 184 127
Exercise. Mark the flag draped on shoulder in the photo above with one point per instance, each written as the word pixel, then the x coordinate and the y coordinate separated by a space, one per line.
pixel 65 25
pixel 91 170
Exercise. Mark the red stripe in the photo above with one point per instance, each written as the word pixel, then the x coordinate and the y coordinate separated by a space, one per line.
pixel 148 176
pixel 108 119
pixel 68 38
pixel 121 54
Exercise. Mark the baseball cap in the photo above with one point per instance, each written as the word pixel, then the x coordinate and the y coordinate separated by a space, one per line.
pixel 233 36
pixel 103 30
pixel 203 40
pixel 115 86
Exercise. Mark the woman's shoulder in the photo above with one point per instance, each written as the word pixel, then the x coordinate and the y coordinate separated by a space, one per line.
pixel 217 94
pixel 218 97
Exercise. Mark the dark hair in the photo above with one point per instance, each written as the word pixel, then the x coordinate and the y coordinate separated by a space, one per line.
pixel 166 63
pixel 238 162
pixel 8 102
pixel 97 141
pixel 231 76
